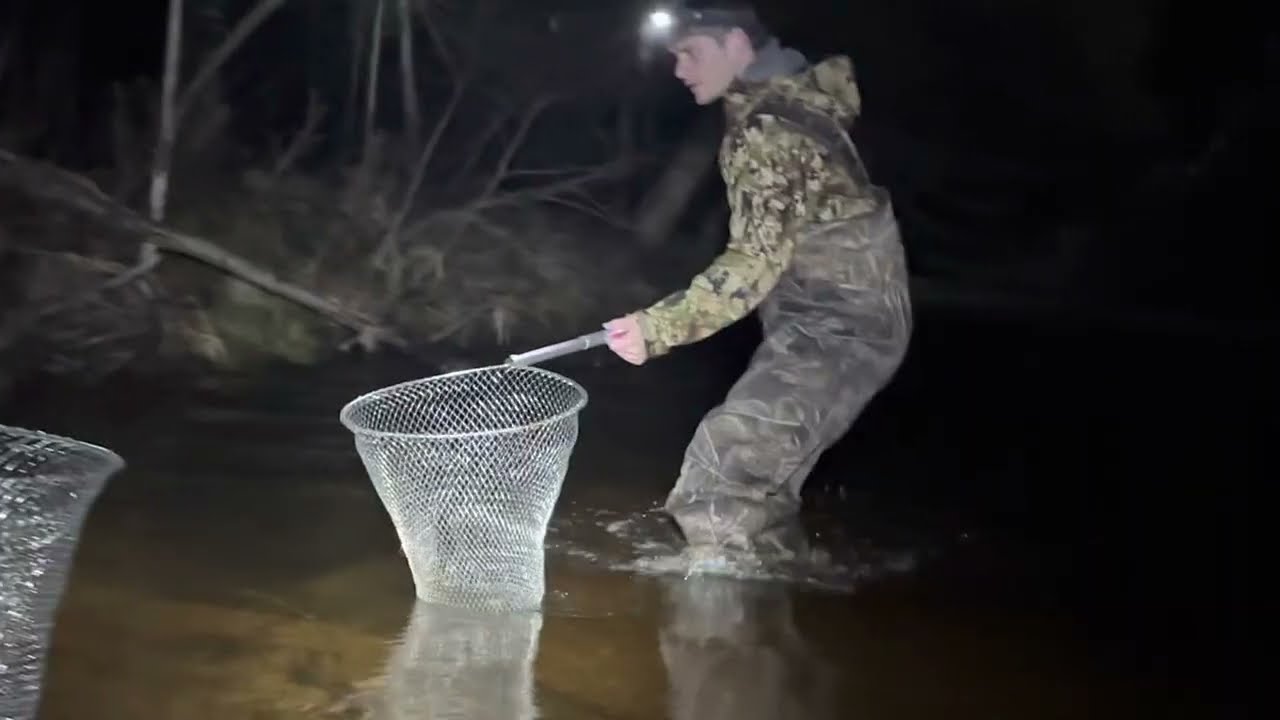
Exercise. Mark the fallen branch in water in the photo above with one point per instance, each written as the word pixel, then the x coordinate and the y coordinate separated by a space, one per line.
pixel 46 181
pixel 111 304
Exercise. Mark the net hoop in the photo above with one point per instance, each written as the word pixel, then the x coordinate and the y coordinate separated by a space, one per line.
pixel 349 411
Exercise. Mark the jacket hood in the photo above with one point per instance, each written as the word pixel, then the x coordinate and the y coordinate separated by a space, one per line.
pixel 828 87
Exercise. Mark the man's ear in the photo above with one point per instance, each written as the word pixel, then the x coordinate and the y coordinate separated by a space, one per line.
pixel 739 44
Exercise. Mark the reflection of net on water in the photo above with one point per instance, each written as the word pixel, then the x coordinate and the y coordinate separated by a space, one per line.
pixel 469 467
pixel 459 663
pixel 47 485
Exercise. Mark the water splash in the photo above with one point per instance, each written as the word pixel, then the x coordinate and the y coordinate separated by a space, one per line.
pixel 646 543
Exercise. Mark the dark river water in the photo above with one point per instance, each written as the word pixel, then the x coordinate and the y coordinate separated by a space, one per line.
pixel 1022 526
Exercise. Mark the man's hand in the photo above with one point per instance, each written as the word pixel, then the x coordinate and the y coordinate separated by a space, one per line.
pixel 625 338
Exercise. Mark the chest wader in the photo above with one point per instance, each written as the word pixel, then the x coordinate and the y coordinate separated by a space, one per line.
pixel 835 329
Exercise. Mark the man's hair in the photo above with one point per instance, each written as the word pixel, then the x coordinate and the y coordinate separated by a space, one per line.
pixel 717 17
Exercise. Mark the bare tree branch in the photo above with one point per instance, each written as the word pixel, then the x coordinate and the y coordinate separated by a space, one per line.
pixel 668 199
pixel 168 116
pixel 409 89
pixel 513 147
pixel 21 322
pixel 468 216
pixel 43 180
pixel 238 35
pixel 352 104
pixel 437 39
pixel 549 193
pixel 390 241
pixel 371 103
pixel 560 187
pixel 304 138
pixel 481 140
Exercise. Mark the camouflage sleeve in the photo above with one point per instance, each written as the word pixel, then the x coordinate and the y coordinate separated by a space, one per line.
pixel 770 172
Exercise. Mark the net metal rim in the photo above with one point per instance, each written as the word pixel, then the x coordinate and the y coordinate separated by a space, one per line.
pixel 345 416
pixel 109 460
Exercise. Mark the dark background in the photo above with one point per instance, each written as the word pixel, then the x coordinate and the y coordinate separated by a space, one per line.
pixel 1000 125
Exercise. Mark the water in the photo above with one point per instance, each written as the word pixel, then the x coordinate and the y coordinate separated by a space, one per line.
pixel 986 561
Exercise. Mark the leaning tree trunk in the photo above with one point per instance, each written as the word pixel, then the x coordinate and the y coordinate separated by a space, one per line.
pixel 208 70
pixel 408 80
pixel 371 91
pixel 661 209
pixel 168 117
pixel 351 112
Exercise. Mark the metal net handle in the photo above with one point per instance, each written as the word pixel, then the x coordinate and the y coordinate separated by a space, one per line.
pixel 560 349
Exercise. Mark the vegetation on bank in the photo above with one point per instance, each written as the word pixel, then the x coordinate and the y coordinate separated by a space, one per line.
pixel 445 197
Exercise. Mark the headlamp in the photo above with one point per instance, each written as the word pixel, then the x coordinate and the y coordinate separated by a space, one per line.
pixel 665 24
pixel 661 20
pixel 660 26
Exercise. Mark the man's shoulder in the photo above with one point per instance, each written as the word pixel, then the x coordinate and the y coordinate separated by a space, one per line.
pixel 782 129
pixel 776 125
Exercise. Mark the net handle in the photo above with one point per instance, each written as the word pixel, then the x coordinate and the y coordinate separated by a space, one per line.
pixel 560 349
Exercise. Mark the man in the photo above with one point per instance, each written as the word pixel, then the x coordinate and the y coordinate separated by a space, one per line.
pixel 814 247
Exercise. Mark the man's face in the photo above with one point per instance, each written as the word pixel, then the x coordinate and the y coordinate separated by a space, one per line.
pixel 706 65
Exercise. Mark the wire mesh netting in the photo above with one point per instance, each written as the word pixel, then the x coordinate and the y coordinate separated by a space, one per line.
pixel 469 466
pixel 47 486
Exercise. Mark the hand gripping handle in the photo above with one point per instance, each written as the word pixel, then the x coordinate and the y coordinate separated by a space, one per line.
pixel 560 349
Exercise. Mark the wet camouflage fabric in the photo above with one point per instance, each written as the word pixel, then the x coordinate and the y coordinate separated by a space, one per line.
pixel 815 249
pixel 780 181
pixel 836 328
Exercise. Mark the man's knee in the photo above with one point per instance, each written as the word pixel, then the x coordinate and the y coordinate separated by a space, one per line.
pixel 726 521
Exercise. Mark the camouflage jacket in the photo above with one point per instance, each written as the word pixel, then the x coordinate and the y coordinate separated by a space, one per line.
pixel 786 165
